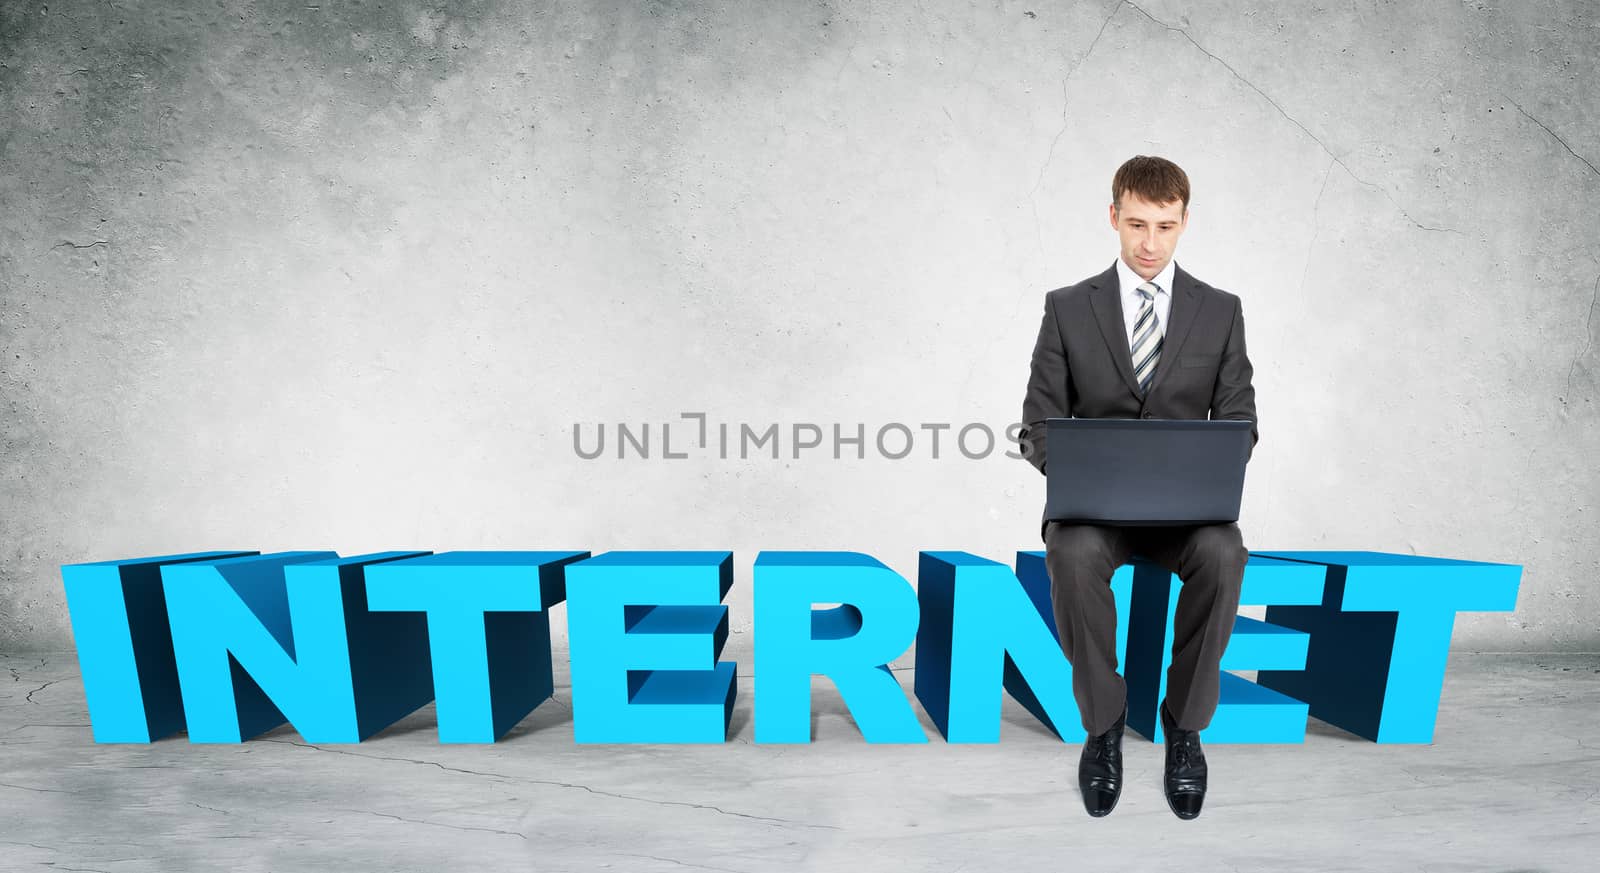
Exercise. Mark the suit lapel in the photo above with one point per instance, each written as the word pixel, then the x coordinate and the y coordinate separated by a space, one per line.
pixel 1186 304
pixel 1105 300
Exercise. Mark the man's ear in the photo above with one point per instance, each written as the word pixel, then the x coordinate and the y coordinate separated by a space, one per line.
pixel 1113 211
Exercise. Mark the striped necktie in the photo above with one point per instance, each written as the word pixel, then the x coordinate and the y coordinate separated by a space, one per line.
pixel 1147 336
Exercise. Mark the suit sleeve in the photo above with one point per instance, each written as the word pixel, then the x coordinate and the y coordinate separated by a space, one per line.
pixel 1234 397
pixel 1049 387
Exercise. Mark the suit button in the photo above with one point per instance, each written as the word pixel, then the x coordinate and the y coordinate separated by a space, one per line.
pixel 1149 415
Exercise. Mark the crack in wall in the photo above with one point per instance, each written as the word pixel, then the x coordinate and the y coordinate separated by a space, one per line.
pixel 30 695
pixel 1305 272
pixel 34 845
pixel 1588 340
pixel 31 788
pixel 1553 134
pixel 1065 101
pixel 1316 230
pixel 1336 160
pixel 500 776
pixel 1038 182
pixel 558 784
pixel 679 863
pixel 1292 120
pixel 437 824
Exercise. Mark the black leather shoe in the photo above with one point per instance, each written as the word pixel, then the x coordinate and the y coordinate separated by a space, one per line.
pixel 1185 778
pixel 1100 769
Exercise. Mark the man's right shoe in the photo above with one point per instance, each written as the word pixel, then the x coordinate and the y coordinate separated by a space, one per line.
pixel 1100 769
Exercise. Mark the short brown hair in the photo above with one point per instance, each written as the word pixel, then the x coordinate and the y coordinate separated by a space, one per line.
pixel 1157 180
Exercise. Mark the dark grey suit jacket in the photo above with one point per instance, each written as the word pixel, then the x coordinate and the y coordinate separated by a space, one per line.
pixel 1083 368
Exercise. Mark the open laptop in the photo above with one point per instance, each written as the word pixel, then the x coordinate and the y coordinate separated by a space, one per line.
pixel 1133 471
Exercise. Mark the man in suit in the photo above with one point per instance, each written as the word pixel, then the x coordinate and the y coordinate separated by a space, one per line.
pixel 1144 339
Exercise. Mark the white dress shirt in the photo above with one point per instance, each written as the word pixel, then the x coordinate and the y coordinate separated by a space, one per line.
pixel 1132 300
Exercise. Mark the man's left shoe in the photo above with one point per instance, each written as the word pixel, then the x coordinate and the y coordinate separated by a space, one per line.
pixel 1185 777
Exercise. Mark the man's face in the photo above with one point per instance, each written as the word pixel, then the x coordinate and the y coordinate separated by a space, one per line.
pixel 1149 232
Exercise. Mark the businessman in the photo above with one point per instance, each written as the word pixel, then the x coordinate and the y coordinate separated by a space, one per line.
pixel 1144 339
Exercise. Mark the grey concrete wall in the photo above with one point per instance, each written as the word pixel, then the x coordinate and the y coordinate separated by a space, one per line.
pixel 290 275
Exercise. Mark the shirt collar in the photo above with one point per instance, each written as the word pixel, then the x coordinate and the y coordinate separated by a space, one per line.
pixel 1131 281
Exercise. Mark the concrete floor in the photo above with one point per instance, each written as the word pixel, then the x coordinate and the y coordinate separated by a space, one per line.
pixel 1509 784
